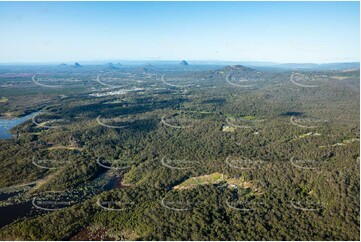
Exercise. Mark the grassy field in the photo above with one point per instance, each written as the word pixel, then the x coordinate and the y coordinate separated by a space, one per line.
pixel 214 178
pixel 61 147
pixel 3 100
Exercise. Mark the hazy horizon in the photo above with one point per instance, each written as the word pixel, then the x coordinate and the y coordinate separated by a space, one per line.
pixel 168 62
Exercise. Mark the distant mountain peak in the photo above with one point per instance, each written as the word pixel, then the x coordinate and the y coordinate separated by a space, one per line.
pixel 63 64
pixel 77 65
pixel 183 63
pixel 238 68
pixel 148 67
pixel 111 65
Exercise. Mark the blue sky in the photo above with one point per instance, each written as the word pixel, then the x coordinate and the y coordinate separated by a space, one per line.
pixel 316 32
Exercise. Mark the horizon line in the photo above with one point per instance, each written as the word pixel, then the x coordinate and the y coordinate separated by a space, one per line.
pixel 170 60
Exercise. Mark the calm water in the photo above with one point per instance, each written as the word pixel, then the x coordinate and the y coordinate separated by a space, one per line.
pixel 7 124
pixel 9 214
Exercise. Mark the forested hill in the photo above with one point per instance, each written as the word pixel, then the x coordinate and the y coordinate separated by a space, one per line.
pixel 231 153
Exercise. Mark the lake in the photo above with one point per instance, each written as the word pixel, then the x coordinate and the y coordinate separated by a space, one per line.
pixel 7 124
pixel 10 213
